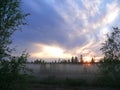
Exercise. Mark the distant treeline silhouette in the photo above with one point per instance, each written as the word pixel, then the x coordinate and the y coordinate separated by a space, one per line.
pixel 73 60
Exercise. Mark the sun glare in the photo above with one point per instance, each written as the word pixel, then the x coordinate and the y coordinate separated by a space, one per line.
pixel 49 51
pixel 87 59
pixel 53 51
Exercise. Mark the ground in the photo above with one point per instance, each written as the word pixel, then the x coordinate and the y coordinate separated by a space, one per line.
pixel 53 87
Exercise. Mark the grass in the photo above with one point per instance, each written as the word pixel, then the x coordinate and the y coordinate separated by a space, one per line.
pixel 106 82
pixel 53 83
pixel 68 82
pixel 60 81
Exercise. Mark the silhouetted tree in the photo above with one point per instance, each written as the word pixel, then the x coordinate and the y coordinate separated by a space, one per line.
pixel 111 47
pixel 110 64
pixel 11 18
pixel 37 61
pixel 92 61
pixel 81 59
pixel 64 61
pixel 72 60
pixel 68 61
pixel 76 60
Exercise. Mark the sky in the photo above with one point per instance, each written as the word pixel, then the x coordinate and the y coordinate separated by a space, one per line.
pixel 66 28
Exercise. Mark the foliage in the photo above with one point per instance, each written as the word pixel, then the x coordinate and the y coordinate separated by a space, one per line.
pixel 52 80
pixel 13 73
pixel 11 18
pixel 110 64
pixel 74 60
pixel 111 47
pixel 12 69
pixel 39 61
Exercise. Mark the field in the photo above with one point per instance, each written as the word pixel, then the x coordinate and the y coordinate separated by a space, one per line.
pixel 64 70
pixel 67 77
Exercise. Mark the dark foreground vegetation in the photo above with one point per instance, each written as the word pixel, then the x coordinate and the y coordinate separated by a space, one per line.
pixel 52 83
pixel 76 82
pixel 13 74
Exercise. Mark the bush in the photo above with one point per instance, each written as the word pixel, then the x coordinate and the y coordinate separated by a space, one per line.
pixel 110 64
pixel 13 73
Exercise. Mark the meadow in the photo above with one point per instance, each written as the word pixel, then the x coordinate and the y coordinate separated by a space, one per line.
pixel 86 71
pixel 67 77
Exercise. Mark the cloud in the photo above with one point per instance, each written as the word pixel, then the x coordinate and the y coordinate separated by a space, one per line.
pixel 92 7
pixel 49 51
pixel 72 27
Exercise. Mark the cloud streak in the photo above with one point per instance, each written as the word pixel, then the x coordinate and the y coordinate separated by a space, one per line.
pixel 72 27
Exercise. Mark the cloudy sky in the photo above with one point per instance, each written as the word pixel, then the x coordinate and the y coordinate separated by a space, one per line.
pixel 65 28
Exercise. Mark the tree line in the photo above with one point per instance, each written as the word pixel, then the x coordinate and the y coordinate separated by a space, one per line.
pixel 73 60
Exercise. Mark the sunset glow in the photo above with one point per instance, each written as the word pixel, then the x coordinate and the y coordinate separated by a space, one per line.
pixel 87 59
pixel 46 51
pixel 66 28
